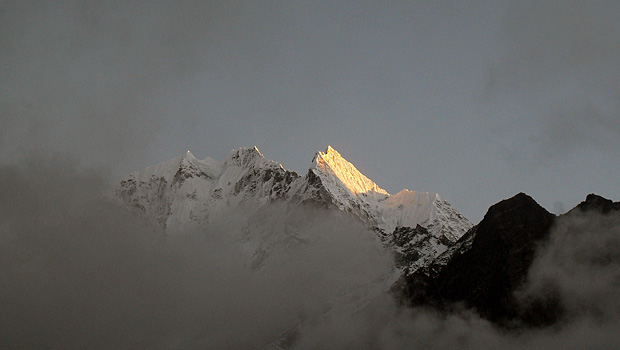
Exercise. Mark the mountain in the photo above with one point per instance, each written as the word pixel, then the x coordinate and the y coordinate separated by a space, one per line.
pixel 443 261
pixel 490 263
pixel 184 190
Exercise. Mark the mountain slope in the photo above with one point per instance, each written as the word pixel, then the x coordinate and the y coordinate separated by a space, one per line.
pixel 187 191
pixel 491 263
pixel 351 191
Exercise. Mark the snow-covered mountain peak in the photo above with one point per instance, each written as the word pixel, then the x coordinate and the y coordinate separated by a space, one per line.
pixel 185 162
pixel 189 155
pixel 249 158
pixel 332 167
pixel 185 190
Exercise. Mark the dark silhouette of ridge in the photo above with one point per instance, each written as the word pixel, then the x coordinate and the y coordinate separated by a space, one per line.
pixel 486 276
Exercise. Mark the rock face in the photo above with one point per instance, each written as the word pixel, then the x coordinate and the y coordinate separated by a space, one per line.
pixel 597 203
pixel 485 276
pixel 186 190
pixel 491 262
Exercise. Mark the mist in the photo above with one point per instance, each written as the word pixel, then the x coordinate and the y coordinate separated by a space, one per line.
pixel 92 91
pixel 81 271
pixel 580 267
pixel 576 268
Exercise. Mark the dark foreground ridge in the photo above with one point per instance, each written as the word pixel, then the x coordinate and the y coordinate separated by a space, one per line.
pixel 486 276
pixel 595 202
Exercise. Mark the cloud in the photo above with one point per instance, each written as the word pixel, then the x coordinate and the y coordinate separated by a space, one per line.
pixel 576 127
pixel 580 266
pixel 79 271
pixel 562 59
pixel 105 81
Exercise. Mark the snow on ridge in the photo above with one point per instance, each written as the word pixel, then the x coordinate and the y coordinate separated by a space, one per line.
pixel 331 163
pixel 187 191
pixel 211 167
pixel 165 169
pixel 413 207
pixel 355 192
pixel 246 175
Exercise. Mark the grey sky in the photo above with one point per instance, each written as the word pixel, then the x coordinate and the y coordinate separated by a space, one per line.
pixel 474 100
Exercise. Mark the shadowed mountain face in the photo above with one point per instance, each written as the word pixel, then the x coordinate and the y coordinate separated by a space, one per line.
pixel 597 203
pixel 486 276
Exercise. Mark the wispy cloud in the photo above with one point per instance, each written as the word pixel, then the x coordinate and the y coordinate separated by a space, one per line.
pixel 562 59
pixel 79 271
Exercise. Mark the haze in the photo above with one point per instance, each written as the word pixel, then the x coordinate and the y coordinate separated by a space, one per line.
pixel 476 101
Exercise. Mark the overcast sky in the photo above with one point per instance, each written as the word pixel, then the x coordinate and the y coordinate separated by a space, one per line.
pixel 474 100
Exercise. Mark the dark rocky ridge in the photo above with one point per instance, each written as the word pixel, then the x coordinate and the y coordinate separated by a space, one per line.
pixel 595 202
pixel 486 276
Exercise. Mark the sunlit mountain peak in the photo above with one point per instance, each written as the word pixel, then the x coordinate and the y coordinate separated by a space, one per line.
pixel 332 163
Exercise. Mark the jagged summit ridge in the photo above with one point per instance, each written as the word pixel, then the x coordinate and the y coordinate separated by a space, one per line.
pixel 186 190
pixel 353 191
pixel 331 164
